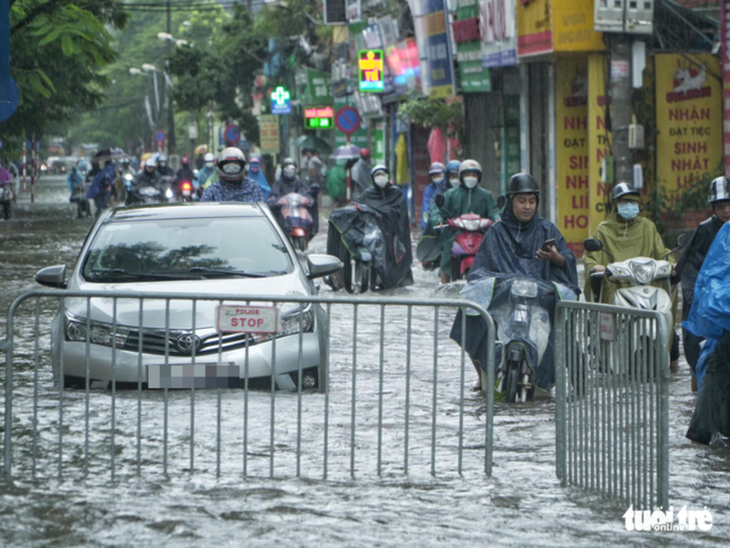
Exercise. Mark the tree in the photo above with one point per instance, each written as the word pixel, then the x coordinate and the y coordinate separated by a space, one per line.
pixel 57 49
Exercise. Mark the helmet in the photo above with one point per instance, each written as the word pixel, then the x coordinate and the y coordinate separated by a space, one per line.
pixel 162 159
pixel 719 190
pixel 184 160
pixel 437 168
pixel 292 171
pixel 453 165
pixel 623 189
pixel 470 165
pixel 379 169
pixel 364 153
pixel 522 183
pixel 150 162
pixel 230 164
pixel 209 157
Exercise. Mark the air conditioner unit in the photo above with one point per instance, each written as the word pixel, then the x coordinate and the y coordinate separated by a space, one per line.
pixel 630 16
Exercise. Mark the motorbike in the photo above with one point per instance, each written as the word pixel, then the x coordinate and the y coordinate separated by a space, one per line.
pixel 149 194
pixel 521 308
pixel 7 194
pixel 471 228
pixel 186 191
pixel 298 223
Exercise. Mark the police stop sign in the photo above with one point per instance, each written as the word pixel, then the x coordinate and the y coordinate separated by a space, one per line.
pixel 247 319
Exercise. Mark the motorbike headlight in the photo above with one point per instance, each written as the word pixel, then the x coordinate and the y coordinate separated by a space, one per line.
pixel 168 193
pixel 664 270
pixel 128 177
pixel 524 288
pixel 472 225
pixel 643 272
pixel 100 333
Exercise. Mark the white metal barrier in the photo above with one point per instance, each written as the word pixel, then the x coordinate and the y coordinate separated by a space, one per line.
pixel 391 396
pixel 612 412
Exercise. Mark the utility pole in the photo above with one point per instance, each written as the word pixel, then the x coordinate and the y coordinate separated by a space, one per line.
pixel 170 112
pixel 622 110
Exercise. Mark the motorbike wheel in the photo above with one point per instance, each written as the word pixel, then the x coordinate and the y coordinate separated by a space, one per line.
pixel 7 209
pixel 512 381
pixel 363 274
pixel 299 243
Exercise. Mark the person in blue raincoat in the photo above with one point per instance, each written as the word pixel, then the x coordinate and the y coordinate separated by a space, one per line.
pixel 232 184
pixel 101 187
pixel 710 318
pixel 438 185
pixel 256 174
pixel 206 172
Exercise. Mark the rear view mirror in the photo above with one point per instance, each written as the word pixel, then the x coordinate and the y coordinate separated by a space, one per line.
pixel 52 276
pixel 322 265
pixel 591 244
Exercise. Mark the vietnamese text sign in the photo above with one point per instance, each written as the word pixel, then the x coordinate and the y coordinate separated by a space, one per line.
pixel 689 122
pixel 571 125
pixel 247 319
pixel 599 140
pixel 370 66
pixel 434 49
pixel 319 117
pixel 269 133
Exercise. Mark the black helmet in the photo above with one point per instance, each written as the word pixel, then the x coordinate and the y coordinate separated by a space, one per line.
pixel 719 190
pixel 522 183
pixel 231 164
pixel 623 189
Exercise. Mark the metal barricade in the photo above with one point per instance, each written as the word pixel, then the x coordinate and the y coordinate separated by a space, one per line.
pixel 391 398
pixel 612 412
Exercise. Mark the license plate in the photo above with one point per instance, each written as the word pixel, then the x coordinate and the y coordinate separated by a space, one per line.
pixel 192 375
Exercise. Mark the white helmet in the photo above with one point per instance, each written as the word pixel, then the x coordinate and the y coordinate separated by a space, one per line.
pixel 208 157
pixel 231 164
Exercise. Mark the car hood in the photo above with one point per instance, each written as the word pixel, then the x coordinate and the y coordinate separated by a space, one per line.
pixel 155 311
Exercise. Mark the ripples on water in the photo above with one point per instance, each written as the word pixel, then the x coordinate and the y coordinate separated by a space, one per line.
pixel 523 503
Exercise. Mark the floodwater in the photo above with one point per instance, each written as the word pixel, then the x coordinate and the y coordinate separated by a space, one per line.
pixel 522 504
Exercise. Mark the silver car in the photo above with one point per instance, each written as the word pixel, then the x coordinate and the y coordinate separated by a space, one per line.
pixel 196 250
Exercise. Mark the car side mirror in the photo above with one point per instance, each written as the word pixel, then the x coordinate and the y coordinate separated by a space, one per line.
pixel 322 265
pixel 591 244
pixel 52 276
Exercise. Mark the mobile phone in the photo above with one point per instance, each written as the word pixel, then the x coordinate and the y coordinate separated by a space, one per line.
pixel 547 244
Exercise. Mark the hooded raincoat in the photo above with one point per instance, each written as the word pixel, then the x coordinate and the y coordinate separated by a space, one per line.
pixel 284 186
pixel 623 240
pixel 509 248
pixel 458 201
pixel 710 318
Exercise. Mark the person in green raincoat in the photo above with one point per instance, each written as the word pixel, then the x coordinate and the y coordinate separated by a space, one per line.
pixel 336 182
pixel 468 197
pixel 625 235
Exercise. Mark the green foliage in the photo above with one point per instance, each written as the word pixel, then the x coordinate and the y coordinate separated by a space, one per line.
pixel 433 113
pixel 57 50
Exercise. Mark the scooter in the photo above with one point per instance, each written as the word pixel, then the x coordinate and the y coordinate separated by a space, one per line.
pixel 298 223
pixel 149 194
pixel 521 309
pixel 186 191
pixel 471 229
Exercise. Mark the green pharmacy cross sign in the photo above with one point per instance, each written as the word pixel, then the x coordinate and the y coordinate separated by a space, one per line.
pixel 319 117
pixel 280 101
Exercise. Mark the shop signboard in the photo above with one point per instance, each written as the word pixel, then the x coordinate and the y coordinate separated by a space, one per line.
pixel 370 66
pixel 689 124
pixel 434 48
pixel 319 88
pixel 473 77
pixel 269 133
pixel 402 59
pixel 547 26
pixel 599 141
pixel 497 28
pixel 572 149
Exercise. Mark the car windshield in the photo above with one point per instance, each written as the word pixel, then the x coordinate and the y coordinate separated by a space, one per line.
pixel 186 249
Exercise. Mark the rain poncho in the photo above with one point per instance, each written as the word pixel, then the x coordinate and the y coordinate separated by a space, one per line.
pixel 360 177
pixel 710 318
pixel 429 195
pixel 458 201
pixel 203 175
pixel 376 210
pixel 260 179
pixel 623 240
pixel 336 181
pixel 688 268
pixel 509 247
pixel 227 191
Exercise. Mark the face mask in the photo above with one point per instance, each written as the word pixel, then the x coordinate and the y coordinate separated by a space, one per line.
pixel 289 172
pixel 254 168
pixel 470 182
pixel 436 178
pixel 628 211
pixel 454 182
pixel 208 164
pixel 381 180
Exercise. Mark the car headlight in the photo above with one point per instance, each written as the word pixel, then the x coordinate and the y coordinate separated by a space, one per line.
pixel 100 333
pixel 643 272
pixel 300 319
pixel 524 288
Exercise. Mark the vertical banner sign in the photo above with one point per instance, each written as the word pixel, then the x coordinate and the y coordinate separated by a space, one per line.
pixel 571 128
pixel 725 55
pixel 534 27
pixel 497 29
pixel 434 49
pixel 269 133
pixel 370 67
pixel 599 140
pixel 689 124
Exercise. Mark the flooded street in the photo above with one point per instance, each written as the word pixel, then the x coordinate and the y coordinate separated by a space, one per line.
pixel 522 504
